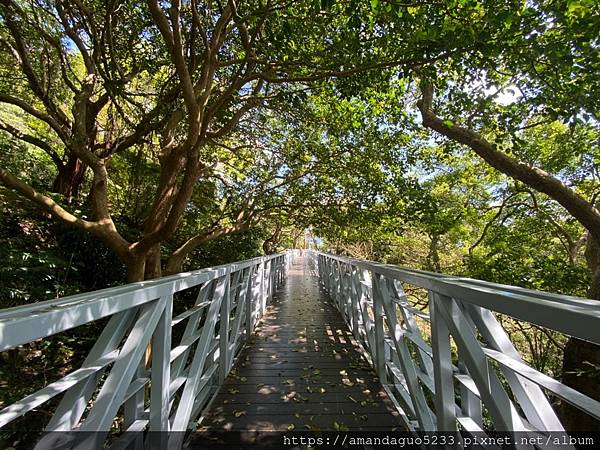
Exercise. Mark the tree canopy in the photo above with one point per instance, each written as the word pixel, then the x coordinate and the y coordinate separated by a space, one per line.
pixel 453 135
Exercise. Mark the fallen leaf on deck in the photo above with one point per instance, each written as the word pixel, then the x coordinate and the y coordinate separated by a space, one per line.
pixel 340 426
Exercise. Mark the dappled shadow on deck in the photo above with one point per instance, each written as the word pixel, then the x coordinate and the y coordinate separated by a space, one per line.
pixel 301 371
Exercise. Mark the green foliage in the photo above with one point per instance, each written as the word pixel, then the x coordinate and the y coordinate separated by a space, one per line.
pixel 32 270
pixel 311 128
pixel 44 260
pixel 34 166
pixel 521 255
pixel 229 249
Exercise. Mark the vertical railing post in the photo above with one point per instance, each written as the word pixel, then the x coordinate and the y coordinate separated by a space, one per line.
pixel 354 301
pixel 188 396
pixel 341 290
pixel 242 279
pixel 250 300
pixel 330 277
pixel 263 286
pixel 271 280
pixel 348 291
pixel 161 373
pixel 319 269
pixel 379 349
pixel 363 301
pixel 327 274
pixel 224 329
pixel 267 281
pixel 442 368
pixel 336 285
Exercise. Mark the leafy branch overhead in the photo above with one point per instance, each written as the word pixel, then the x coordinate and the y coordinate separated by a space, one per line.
pixel 450 135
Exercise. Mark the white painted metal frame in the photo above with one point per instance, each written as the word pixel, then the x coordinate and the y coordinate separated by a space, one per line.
pixel 182 377
pixel 434 392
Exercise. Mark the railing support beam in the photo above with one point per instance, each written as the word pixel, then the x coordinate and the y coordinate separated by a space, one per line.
pixel 396 335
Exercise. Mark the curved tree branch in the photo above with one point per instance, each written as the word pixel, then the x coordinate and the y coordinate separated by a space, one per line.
pixel 533 177
pixel 101 228
pixel 32 140
pixel 175 261
pixel 25 106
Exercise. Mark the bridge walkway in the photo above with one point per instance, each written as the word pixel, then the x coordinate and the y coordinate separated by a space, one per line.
pixel 301 370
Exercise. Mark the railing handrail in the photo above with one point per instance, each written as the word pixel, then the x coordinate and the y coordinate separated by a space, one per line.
pixel 167 389
pixel 213 271
pixel 575 316
pixel 13 332
pixel 416 362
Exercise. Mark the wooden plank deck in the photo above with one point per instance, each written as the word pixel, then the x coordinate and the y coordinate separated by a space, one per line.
pixel 301 371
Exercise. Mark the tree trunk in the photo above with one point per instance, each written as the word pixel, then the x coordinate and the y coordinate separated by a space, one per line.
pixel 144 267
pixel 174 264
pixel 296 240
pixel 135 269
pixel 268 247
pixel 433 258
pixel 581 362
pixel 581 359
pixel 270 244
pixel 152 267
pixel 140 268
pixel 70 177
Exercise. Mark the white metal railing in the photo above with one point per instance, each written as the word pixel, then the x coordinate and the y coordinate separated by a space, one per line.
pixel 432 392
pixel 182 376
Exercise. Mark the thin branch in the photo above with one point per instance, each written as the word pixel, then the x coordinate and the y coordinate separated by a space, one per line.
pixel 32 140
pixel 533 177
pixel 26 106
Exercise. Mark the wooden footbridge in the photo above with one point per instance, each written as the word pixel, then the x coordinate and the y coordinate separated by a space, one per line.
pixel 302 369
pixel 297 342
